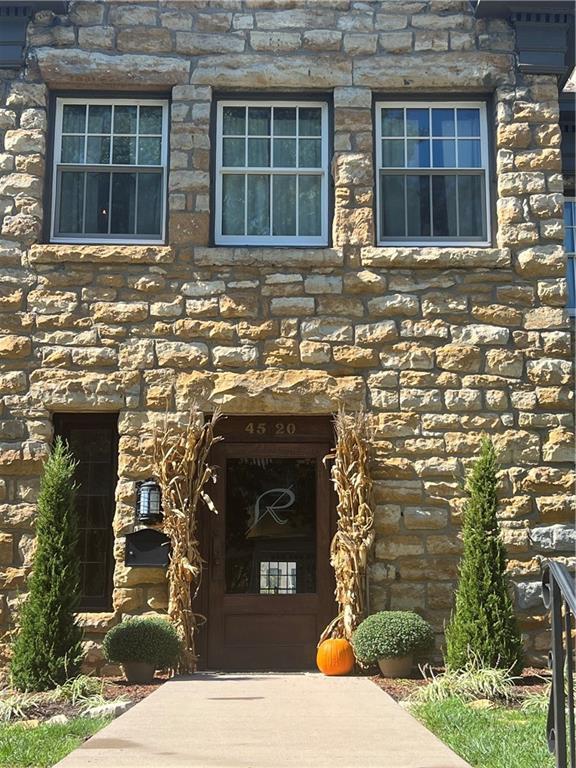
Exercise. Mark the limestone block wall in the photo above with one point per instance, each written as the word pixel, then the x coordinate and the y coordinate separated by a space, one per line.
pixel 442 344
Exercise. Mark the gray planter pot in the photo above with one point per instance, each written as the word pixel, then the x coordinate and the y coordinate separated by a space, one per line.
pixel 138 671
pixel 397 667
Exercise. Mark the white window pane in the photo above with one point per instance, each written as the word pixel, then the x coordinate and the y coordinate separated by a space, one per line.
pixel 393 153
pixel 74 118
pixel 233 204
pixel 124 150
pixel 123 203
pixel 418 204
pixel 72 149
pixel 285 153
pixel 97 200
pixel 444 219
pixel 258 204
pixel 99 118
pixel 150 150
pixel 444 153
pixel 309 205
pixel 98 150
pixel 234 121
pixel 125 118
pixel 233 152
pixel 150 202
pixel 393 122
pixel 71 202
pixel 393 207
pixel 284 205
pixel 259 121
pixel 150 120
pixel 285 121
pixel 258 153
pixel 417 122
pixel 468 122
pixel 443 122
pixel 418 153
pixel 470 204
pixel 310 121
pixel 310 153
pixel 469 154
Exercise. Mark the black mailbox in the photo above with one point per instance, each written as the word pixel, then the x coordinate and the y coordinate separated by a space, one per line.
pixel 147 549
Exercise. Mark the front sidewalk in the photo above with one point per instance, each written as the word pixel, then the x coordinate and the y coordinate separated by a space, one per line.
pixel 218 720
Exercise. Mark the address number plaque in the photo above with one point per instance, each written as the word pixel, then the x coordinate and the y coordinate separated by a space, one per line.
pixel 276 429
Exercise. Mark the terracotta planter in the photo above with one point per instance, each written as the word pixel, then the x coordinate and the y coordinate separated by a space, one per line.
pixel 397 667
pixel 138 671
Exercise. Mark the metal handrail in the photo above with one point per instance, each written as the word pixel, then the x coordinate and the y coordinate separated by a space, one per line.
pixel 559 595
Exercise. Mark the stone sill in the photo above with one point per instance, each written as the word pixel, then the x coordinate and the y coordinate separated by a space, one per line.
pixel 255 256
pixel 425 257
pixel 56 253
pixel 96 621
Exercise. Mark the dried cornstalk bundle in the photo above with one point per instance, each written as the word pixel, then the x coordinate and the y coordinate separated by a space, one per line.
pixel 182 470
pixel 352 542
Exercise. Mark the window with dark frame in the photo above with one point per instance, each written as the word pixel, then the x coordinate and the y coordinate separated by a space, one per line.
pixel 271 172
pixel 432 160
pixel 93 440
pixel 109 170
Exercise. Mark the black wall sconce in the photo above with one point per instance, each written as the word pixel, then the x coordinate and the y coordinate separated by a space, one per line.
pixel 148 502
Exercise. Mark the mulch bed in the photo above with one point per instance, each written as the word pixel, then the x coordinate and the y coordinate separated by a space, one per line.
pixel 532 680
pixel 114 688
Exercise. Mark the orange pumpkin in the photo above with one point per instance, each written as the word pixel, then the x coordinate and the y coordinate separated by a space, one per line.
pixel 335 656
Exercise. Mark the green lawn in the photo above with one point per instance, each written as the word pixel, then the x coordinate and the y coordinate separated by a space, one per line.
pixel 493 738
pixel 45 745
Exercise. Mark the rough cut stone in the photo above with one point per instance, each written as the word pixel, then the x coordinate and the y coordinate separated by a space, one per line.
pixel 81 68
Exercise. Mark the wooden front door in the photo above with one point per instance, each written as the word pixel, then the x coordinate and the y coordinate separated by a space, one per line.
pixel 270 584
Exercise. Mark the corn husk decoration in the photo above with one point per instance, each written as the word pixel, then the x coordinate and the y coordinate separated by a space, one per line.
pixel 182 470
pixel 352 542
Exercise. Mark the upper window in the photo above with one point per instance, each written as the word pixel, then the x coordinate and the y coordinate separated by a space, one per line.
pixel 570 248
pixel 110 164
pixel 433 173
pixel 271 173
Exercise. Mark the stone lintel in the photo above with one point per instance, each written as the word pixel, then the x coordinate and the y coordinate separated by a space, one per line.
pixel 269 71
pixel 451 71
pixel 441 258
pixel 299 391
pixel 54 253
pixel 71 68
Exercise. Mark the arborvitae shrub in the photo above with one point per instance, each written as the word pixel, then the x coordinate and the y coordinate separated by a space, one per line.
pixel 47 649
pixel 483 626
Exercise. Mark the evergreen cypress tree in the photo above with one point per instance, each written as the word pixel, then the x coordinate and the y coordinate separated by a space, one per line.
pixel 47 649
pixel 483 626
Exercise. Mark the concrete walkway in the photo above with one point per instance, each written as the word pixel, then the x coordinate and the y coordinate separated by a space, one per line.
pixel 265 721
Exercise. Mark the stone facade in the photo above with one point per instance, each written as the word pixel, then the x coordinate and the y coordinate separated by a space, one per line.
pixel 443 344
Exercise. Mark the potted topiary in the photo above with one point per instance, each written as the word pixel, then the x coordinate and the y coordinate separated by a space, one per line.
pixel 142 645
pixel 390 638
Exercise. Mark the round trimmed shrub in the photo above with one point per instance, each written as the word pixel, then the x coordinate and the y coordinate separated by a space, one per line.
pixel 389 635
pixel 148 639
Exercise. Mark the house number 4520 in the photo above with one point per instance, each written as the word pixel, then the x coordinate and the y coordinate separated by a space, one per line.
pixel 262 428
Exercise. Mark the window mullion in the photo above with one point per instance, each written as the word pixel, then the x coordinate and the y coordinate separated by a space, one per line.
pixel 84 203
pixel 111 177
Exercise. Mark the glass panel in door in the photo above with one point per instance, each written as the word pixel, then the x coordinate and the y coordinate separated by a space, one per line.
pixel 270 539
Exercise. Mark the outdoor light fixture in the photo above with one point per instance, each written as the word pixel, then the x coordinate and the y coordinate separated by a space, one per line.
pixel 148 502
